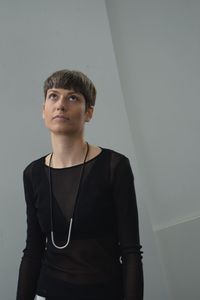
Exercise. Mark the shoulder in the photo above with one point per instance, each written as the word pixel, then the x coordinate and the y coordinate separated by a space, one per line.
pixel 34 166
pixel 111 154
pixel 117 160
pixel 115 155
pixel 120 166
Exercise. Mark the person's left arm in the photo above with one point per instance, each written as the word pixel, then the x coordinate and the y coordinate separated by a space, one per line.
pixel 128 230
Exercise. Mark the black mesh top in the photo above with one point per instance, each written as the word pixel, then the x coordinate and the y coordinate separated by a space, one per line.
pixel 103 259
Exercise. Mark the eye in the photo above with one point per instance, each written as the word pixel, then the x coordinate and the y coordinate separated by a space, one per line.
pixel 73 98
pixel 52 96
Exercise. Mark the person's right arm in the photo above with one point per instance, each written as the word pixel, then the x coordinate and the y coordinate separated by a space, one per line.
pixel 35 246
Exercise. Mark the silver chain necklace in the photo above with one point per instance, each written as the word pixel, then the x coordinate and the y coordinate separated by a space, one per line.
pixel 51 206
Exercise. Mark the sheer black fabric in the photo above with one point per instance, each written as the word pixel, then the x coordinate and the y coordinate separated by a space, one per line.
pixel 103 259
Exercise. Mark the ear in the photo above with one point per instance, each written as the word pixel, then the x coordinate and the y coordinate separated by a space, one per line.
pixel 89 113
pixel 43 107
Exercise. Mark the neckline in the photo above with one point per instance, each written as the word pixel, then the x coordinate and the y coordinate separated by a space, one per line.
pixel 74 166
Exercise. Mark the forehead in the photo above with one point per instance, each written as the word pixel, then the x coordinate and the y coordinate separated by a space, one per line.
pixel 63 91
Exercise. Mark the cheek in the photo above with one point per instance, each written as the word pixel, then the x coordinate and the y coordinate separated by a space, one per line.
pixel 46 111
pixel 45 120
pixel 79 115
pixel 46 116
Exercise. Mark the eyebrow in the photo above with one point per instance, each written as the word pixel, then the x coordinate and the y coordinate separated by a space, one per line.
pixel 57 92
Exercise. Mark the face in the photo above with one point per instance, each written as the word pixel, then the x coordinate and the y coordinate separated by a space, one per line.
pixel 64 112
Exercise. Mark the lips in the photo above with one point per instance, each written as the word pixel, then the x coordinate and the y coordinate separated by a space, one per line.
pixel 61 117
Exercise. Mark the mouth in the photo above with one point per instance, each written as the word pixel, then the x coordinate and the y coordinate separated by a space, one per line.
pixel 60 117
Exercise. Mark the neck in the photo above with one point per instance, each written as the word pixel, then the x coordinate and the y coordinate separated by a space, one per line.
pixel 67 151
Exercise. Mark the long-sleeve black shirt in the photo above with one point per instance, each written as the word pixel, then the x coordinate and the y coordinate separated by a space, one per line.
pixel 103 258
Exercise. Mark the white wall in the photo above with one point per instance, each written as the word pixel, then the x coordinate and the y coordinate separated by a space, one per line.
pixel 37 38
pixel 180 249
pixel 157 46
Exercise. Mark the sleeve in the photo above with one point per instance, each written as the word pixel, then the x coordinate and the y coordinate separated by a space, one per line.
pixel 34 250
pixel 128 230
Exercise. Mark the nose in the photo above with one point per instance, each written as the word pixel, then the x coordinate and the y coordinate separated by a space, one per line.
pixel 61 104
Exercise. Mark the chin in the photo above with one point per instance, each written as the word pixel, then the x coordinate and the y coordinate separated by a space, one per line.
pixel 63 131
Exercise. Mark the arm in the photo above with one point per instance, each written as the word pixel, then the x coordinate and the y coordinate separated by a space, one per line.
pixel 35 247
pixel 128 230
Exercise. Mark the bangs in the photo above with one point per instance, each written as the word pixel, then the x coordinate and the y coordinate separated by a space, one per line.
pixel 72 80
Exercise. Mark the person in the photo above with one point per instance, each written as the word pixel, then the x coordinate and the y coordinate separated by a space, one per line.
pixel 82 219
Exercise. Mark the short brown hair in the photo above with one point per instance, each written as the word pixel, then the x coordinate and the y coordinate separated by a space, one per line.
pixel 74 80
